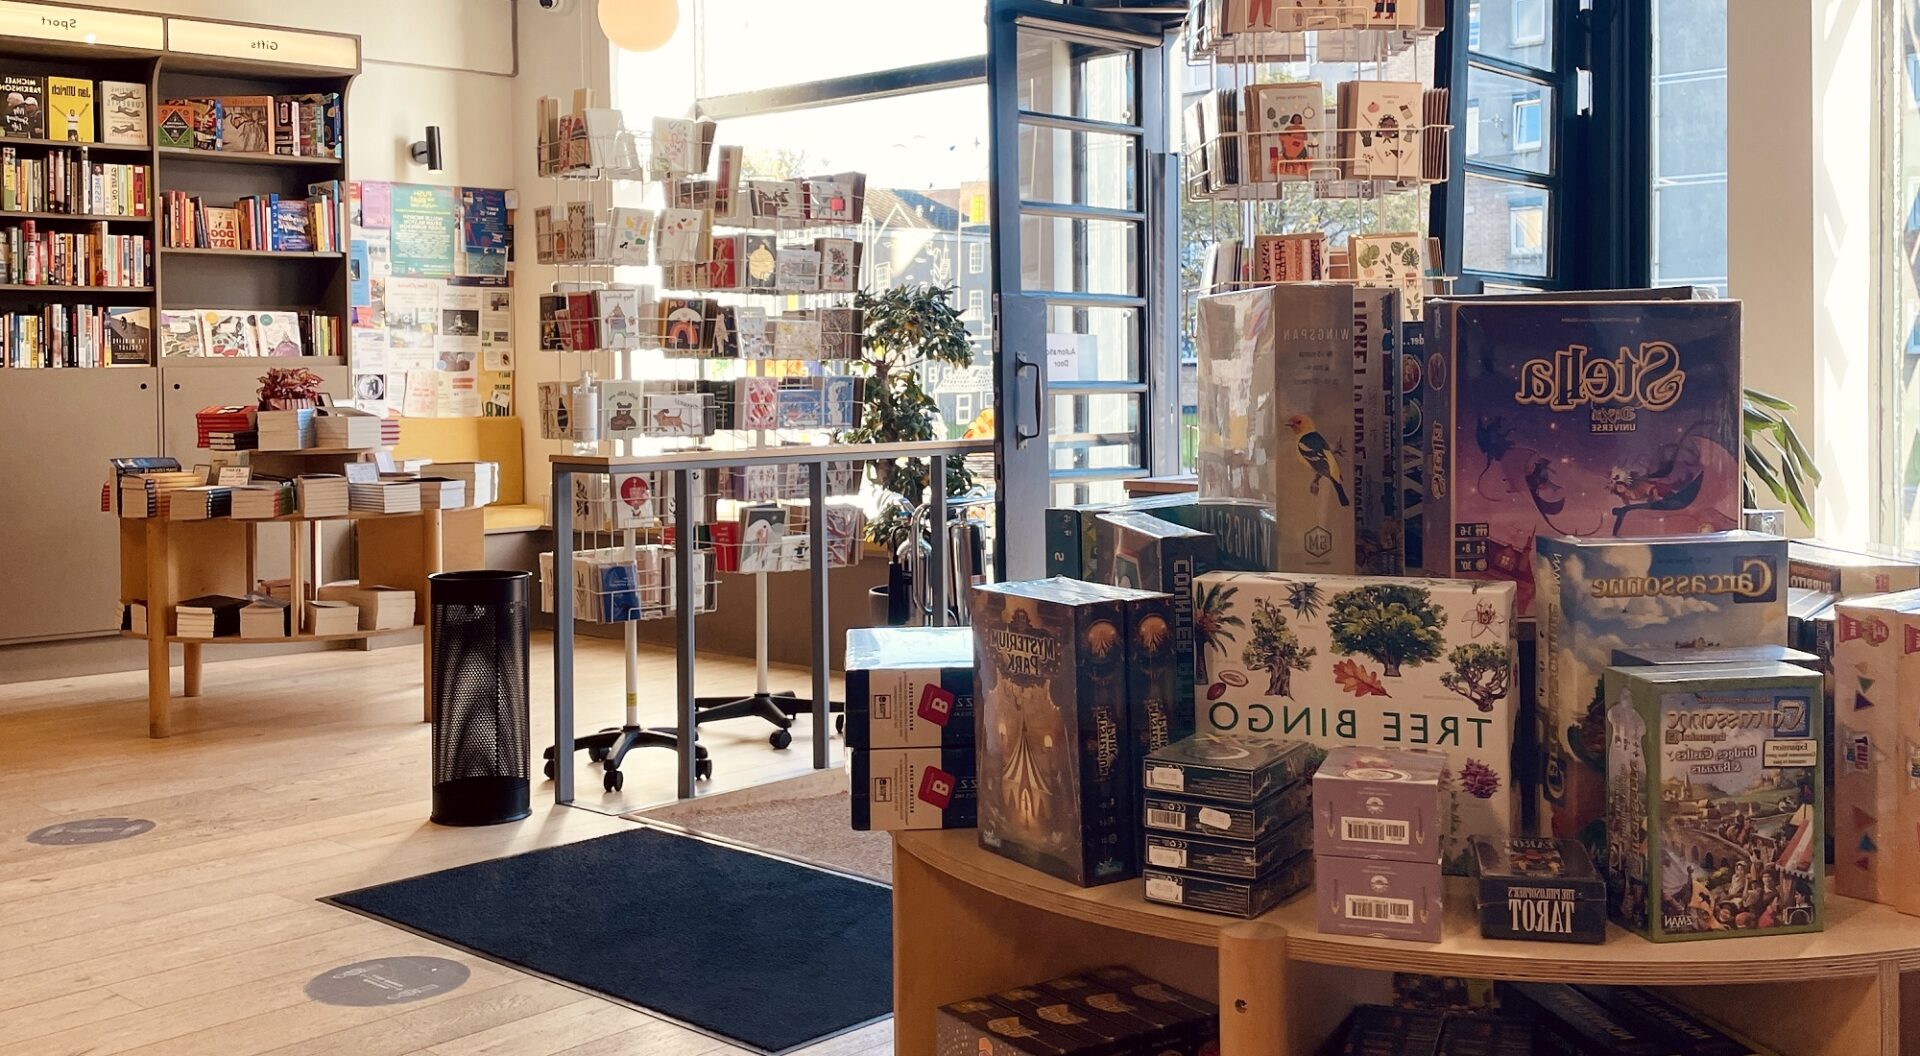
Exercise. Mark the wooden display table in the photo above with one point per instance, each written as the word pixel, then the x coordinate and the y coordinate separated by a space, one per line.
pixel 966 923
pixel 163 562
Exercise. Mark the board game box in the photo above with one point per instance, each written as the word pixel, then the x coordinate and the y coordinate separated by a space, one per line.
pixel 909 687
pixel 1597 420
pixel 1051 722
pixel 1714 801
pixel 913 788
pixel 1382 899
pixel 1248 823
pixel 1180 1024
pixel 1570 1022
pixel 1539 888
pixel 1229 769
pixel 1138 550
pixel 1596 596
pixel 1379 803
pixel 1847 571
pixel 1871 724
pixel 1275 393
pixel 1690 1035
pixel 1376 451
pixel 1397 663
pixel 1231 896
pixel 1229 857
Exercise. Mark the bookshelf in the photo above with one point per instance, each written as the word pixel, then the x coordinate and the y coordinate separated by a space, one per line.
pixel 122 410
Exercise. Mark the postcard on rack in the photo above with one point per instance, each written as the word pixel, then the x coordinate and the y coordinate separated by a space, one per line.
pixel 681 237
pixel 1398 261
pixel 1380 129
pixel 797 270
pixel 839 264
pixel 1289 118
pixel 632 236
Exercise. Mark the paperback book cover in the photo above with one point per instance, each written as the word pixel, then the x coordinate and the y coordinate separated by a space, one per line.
pixel 130 336
pixel 123 113
pixel 70 112
pixel 26 115
pixel 223 227
pixel 229 334
pixel 277 333
pixel 246 123
pixel 181 334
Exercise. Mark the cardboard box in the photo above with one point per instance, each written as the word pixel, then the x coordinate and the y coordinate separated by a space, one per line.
pixel 1085 1030
pixel 1323 659
pixel 1381 899
pixel 1229 857
pixel 1868 757
pixel 1726 654
pixel 1601 420
pixel 1375 444
pixel 1228 769
pixel 1051 659
pixel 1228 821
pixel 1230 896
pixel 1713 775
pixel 1275 392
pixel 1578 1026
pixel 1156 1014
pixel 909 687
pixel 896 789
pixel 1532 887
pixel 979 1027
pixel 1724 589
pixel 1690 1035
pixel 1848 571
pixel 1134 548
pixel 1410 425
pixel 1379 803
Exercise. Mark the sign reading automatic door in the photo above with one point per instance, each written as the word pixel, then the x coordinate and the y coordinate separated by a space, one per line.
pixel 91 830
pixel 387 981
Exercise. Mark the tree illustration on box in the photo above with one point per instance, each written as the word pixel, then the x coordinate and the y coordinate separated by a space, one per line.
pixel 1393 623
pixel 1304 598
pixel 1275 648
pixel 1481 673
pixel 1211 618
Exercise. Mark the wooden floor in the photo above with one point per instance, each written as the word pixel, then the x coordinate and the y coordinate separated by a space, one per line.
pixel 293 778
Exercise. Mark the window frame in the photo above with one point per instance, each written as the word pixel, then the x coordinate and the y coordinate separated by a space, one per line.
pixel 1528 39
pixel 1536 106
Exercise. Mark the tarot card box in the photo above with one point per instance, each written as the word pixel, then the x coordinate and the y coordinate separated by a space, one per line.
pixel 1596 420
pixel 1051 664
pixel 1714 801
pixel 1343 660
pixel 1227 857
pixel 1872 743
pixel 1276 406
pixel 1379 803
pixel 1228 769
pixel 909 687
pixel 1245 823
pixel 1381 899
pixel 1596 596
pixel 1231 896
pixel 914 788
pixel 1533 887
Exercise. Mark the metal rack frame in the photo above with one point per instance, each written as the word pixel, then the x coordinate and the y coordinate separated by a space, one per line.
pixel 682 464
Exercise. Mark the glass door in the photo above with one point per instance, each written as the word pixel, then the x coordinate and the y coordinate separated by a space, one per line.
pixel 1082 355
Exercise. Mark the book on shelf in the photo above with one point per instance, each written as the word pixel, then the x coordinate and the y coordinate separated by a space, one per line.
pixel 347 427
pixel 208 616
pixel 133 618
pixel 380 608
pixel 238 333
pixel 173 124
pixel 201 502
pixel 75 335
pixel 442 493
pixel 246 123
pixel 64 180
pixel 145 494
pixel 229 333
pixel 277 333
pixel 129 336
pixel 247 441
pixel 25 116
pixel 123 113
pixel 95 257
pixel 70 109
pixel 332 617
pixel 222 225
pixel 287 430
pixel 384 496
pixel 263 498
pixel 321 495
pixel 265 617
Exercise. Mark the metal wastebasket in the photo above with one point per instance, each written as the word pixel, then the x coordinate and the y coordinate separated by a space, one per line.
pixel 480 758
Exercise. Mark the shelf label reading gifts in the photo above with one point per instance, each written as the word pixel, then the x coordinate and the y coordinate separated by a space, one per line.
pixel 80 25
pixel 262 44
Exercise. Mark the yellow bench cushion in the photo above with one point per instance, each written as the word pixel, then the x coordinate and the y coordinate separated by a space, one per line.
pixel 517 517
pixel 470 440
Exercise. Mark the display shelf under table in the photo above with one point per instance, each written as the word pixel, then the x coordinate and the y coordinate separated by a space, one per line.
pixel 1843 984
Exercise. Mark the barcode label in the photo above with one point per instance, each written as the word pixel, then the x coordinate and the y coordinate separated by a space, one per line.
pixel 1167 857
pixel 1388 910
pixel 1164 888
pixel 1169 778
pixel 1166 819
pixel 1368 830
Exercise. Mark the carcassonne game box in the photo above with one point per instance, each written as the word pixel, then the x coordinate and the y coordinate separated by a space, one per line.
pixel 1715 801
pixel 1598 596
pixel 1057 769
pixel 1362 660
pixel 1596 420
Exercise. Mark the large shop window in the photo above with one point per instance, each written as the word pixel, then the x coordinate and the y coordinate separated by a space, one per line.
pixel 1689 143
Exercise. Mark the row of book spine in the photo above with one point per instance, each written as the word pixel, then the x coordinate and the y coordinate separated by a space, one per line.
pixel 96 257
pixel 74 335
pixel 267 222
pixel 65 181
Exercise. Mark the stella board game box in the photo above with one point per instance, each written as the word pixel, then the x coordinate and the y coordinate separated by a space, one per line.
pixel 1275 392
pixel 1598 596
pixel 1714 801
pixel 1055 748
pixel 1598 420
pixel 1874 746
pixel 1357 660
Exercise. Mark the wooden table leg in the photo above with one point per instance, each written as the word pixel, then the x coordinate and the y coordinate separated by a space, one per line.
pixel 190 669
pixel 159 625
pixel 1253 990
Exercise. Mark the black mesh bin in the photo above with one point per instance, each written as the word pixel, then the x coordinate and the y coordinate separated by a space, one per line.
pixel 479 624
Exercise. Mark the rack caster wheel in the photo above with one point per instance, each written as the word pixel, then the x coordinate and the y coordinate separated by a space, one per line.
pixel 780 738
pixel 548 769
pixel 699 751
pixel 614 781
pixel 598 755
pixel 703 770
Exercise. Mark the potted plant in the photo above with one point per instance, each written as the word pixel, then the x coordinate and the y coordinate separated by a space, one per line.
pixel 907 328
pixel 290 389
pixel 1775 456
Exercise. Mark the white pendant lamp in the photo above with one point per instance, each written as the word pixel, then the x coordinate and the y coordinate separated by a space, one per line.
pixel 639 25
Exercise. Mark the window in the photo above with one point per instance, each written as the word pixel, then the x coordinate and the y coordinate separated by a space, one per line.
pixel 1688 144
pixel 1473 26
pixel 882 275
pixel 976 257
pixel 976 304
pixel 1473 127
pixel 1529 22
pixel 1526 226
pixel 1526 125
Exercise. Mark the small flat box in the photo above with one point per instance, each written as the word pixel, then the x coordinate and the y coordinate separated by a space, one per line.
pixel 979 1027
pixel 1376 898
pixel 1226 821
pixel 1689 1034
pixel 1724 654
pixel 1137 987
pixel 1486 1036
pixel 1540 888
pixel 896 789
pixel 1849 571
pixel 1090 1033
pixel 1571 1023
pixel 1226 769
pixel 909 687
pixel 1230 896
pixel 1165 1027
pixel 1229 858
pixel 1379 803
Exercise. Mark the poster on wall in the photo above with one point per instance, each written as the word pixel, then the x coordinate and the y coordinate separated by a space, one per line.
pixel 458 340
pixel 372 204
pixel 483 231
pixel 422 232
pixel 496 330
pixel 413 322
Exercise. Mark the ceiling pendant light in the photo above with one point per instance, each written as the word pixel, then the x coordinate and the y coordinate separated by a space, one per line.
pixel 639 25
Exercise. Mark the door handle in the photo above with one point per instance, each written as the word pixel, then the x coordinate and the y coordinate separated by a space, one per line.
pixel 1021 430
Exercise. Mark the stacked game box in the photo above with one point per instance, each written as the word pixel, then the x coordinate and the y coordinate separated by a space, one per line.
pixel 1381 1030
pixel 1104 1012
pixel 1538 888
pixel 1377 829
pixel 1375 432
pixel 1598 420
pixel 1073 543
pixel 1341 660
pixel 1598 596
pixel 1226 823
pixel 1138 550
pixel 1570 1020
pixel 1714 800
pixel 1060 665
pixel 910 727
pixel 1873 737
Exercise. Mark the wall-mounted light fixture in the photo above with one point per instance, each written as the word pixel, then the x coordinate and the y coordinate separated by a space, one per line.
pixel 427 151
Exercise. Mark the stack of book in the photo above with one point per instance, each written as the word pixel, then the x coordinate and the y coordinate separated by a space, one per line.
pixel 385 496
pixel 348 428
pixel 200 503
pixel 332 617
pixel 95 257
pixel 265 618
pixel 277 589
pixel 381 608
pixel 286 430
pixel 145 494
pixel 211 616
pixel 231 420
pixel 76 335
pixel 321 495
pixel 442 493
pixel 263 499
pixel 134 618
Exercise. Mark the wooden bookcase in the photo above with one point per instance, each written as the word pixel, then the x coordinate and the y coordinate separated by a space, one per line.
pixel 66 422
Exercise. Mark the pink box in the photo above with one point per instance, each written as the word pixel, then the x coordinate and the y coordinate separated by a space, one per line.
pixel 1380 899
pixel 1379 803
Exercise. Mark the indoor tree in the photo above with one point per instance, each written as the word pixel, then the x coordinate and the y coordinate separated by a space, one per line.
pixel 1775 457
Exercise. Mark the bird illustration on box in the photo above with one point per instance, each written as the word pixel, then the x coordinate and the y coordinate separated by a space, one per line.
pixel 1318 454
